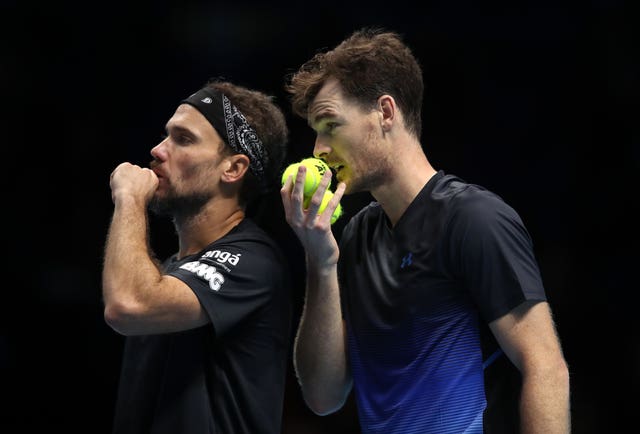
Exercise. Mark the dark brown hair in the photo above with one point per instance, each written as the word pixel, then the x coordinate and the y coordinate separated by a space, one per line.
pixel 368 64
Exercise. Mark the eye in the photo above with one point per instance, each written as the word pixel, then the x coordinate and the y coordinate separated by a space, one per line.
pixel 183 139
pixel 330 126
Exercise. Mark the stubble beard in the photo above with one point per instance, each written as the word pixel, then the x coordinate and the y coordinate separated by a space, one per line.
pixel 372 178
pixel 179 206
pixel 372 171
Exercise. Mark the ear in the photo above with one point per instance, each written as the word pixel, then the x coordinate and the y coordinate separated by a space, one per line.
pixel 387 109
pixel 235 166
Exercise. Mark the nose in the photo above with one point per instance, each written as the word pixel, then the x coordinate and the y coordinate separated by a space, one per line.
pixel 159 151
pixel 321 147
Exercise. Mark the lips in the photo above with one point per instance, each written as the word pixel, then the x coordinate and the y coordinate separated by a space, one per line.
pixel 337 169
pixel 158 173
pixel 163 181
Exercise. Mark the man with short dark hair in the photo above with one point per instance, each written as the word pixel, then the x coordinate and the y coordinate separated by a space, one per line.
pixel 431 308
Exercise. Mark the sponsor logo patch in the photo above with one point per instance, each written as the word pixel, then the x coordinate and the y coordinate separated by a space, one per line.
pixel 207 272
pixel 208 265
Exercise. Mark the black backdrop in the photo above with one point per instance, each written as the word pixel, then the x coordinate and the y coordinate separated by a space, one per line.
pixel 536 101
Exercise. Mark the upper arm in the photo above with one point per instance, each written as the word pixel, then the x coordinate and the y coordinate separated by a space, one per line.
pixel 169 305
pixel 527 335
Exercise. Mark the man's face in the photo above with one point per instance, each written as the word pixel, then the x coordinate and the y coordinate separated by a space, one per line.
pixel 187 163
pixel 349 138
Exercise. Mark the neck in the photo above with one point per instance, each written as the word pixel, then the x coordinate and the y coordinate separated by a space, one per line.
pixel 410 172
pixel 213 222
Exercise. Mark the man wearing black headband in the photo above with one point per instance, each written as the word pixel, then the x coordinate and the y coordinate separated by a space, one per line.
pixel 208 329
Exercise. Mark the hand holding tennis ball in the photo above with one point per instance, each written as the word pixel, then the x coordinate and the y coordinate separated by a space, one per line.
pixel 316 168
pixel 325 200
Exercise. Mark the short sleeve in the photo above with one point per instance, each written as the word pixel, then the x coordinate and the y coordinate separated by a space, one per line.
pixel 492 254
pixel 231 281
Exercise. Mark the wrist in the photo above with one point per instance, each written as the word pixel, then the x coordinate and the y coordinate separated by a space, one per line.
pixel 321 268
pixel 129 202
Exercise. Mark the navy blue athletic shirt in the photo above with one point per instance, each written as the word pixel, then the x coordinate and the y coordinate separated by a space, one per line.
pixel 417 299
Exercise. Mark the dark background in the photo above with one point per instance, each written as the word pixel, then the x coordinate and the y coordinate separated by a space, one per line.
pixel 535 100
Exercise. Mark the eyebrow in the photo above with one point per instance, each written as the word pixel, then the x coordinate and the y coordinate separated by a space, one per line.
pixel 178 129
pixel 321 117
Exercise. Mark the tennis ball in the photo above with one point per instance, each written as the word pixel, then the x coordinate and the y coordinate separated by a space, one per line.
pixel 290 171
pixel 319 165
pixel 315 169
pixel 325 200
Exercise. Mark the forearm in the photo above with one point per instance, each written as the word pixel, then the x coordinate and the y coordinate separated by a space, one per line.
pixel 319 350
pixel 128 266
pixel 545 402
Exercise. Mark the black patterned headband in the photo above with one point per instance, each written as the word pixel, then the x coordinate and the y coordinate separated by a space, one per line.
pixel 231 124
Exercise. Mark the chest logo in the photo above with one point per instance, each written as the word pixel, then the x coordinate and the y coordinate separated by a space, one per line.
pixel 407 260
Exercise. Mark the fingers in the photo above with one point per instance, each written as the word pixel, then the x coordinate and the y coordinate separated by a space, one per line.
pixel 340 189
pixel 318 216
pixel 322 217
pixel 292 197
pixel 313 230
pixel 130 179
pixel 301 211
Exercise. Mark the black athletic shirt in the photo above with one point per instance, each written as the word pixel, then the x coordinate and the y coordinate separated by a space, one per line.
pixel 227 377
pixel 417 299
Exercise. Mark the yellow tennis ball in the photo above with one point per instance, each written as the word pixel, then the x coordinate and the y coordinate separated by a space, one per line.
pixel 315 169
pixel 290 171
pixel 317 163
pixel 325 200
